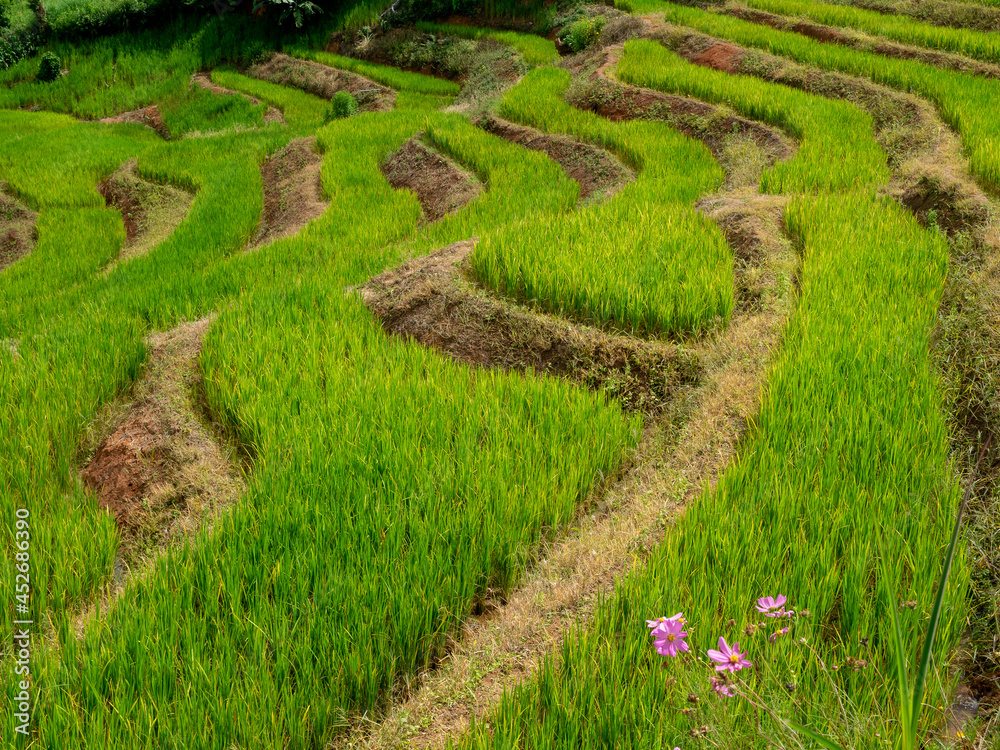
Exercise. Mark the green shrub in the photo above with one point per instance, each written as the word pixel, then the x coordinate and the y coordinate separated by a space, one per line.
pixel 254 53
pixel 343 104
pixel 582 33
pixel 50 67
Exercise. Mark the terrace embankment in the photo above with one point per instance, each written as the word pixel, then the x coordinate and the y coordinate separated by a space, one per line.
pixel 324 81
pixel 202 80
pixel 598 173
pixel 865 42
pixel 929 175
pixel 744 148
pixel 685 447
pixel 430 300
pixel 959 14
pixel 148 116
pixel 17 228
pixel 149 210
pixel 441 185
pixel 160 468
pixel 293 191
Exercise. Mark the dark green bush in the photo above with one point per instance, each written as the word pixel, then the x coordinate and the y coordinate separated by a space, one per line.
pixel 583 33
pixel 50 67
pixel 343 104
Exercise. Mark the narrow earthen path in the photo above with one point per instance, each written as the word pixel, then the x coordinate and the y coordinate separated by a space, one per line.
pixel 324 81
pixel 203 80
pixel 18 235
pixel 441 185
pixel 160 467
pixel 599 174
pixel 293 191
pixel 150 211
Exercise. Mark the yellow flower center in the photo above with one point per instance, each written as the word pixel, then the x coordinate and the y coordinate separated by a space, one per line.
pixel 671 638
pixel 734 658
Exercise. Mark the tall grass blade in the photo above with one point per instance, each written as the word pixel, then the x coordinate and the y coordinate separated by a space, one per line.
pixel 925 658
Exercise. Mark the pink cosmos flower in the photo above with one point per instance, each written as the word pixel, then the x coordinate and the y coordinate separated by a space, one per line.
pixel 771 606
pixel 653 624
pixel 777 634
pixel 721 688
pixel 671 637
pixel 728 659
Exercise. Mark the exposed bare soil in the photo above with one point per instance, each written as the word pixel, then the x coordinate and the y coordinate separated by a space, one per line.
pixel 429 300
pixel 148 116
pixel 721 56
pixel 204 81
pixel 162 472
pixel 441 185
pixel 596 171
pixel 293 191
pixel 17 228
pixel 324 81
pixel 149 210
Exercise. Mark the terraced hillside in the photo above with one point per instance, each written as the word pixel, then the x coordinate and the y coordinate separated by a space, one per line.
pixel 376 391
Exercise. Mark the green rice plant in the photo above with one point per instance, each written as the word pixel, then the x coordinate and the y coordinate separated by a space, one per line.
pixel 394 78
pixel 519 184
pixel 303 112
pixel 848 456
pixel 424 526
pixel 977 44
pixel 200 111
pixel 109 75
pixel 76 158
pixel 835 151
pixel 79 333
pixel 911 698
pixel 596 264
pixel 535 49
pixel 965 102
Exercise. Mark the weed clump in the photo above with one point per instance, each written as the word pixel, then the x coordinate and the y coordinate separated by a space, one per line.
pixel 583 33
pixel 343 104
pixel 49 68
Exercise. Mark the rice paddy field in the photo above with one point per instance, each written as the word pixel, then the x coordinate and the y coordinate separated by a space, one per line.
pixel 525 376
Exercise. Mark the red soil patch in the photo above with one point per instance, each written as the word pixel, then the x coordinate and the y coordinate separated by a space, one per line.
pixel 720 56
pixel 150 117
pixel 429 300
pixel 17 229
pixel 820 33
pixel 160 471
pixel 126 464
pixel 293 191
pixel 440 185
pixel 204 81
pixel 324 81
pixel 593 168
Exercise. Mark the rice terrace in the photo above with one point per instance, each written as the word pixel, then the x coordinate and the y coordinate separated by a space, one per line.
pixel 500 374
